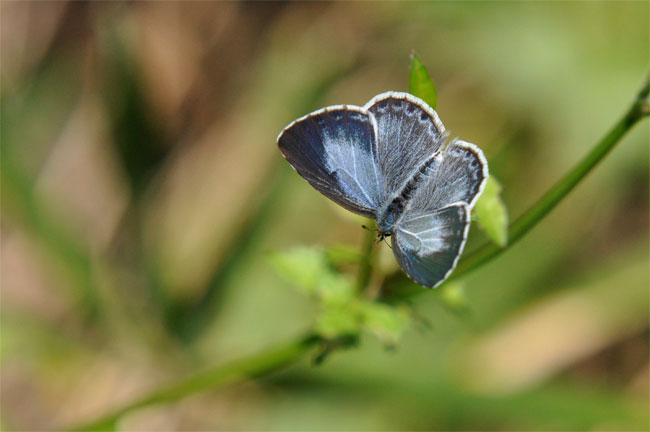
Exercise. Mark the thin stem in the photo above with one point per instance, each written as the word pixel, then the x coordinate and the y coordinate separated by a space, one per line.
pixel 250 367
pixel 552 198
pixel 367 257
pixel 531 217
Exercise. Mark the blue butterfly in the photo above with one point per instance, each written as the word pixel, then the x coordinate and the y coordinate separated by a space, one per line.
pixel 391 160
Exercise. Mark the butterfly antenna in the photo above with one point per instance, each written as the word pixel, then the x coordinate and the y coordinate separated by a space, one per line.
pixel 368 228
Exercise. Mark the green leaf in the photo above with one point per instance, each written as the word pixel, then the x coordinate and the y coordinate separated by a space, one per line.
pixel 453 297
pixel 334 322
pixel 387 322
pixel 420 84
pixel 299 266
pixel 491 212
pixel 342 254
pixel 309 270
pixel 334 288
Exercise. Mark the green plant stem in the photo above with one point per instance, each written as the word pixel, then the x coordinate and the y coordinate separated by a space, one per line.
pixel 367 256
pixel 268 361
pixel 249 367
pixel 639 109
pixel 552 198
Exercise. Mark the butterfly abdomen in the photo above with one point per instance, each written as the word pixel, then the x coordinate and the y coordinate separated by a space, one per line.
pixel 391 212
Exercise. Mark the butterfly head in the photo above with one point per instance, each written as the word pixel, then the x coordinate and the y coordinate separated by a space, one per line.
pixel 382 235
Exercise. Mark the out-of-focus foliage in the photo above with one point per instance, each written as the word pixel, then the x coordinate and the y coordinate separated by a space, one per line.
pixel 452 295
pixel 142 192
pixel 309 270
pixel 342 312
pixel 491 213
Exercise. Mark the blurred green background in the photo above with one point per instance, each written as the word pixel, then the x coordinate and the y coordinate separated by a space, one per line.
pixel 142 192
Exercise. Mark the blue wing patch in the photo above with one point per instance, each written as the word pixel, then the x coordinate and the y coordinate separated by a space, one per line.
pixel 334 149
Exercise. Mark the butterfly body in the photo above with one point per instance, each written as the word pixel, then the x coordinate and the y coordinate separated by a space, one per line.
pixel 392 210
pixel 390 160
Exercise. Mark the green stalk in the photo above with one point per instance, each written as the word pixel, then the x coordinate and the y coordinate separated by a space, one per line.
pixel 531 217
pixel 367 256
pixel 639 109
pixel 253 366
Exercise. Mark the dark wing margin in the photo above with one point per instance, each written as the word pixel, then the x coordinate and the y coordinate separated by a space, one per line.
pixel 335 150
pixel 427 247
pixel 409 132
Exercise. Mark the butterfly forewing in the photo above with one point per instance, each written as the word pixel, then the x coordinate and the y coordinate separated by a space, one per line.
pixel 427 247
pixel 335 151
pixel 408 133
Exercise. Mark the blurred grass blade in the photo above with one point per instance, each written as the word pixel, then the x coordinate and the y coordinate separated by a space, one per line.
pixel 491 212
pixel 192 319
pixel 21 203
pixel 420 84
pixel 572 403
pixel 35 112
pixel 142 146
pixel 189 320
pixel 249 367
pixel 30 116
pixel 613 300
pixel 139 139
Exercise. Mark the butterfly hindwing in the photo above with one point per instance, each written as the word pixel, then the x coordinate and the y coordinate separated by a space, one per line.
pixel 334 149
pixel 458 175
pixel 428 246
pixel 430 235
